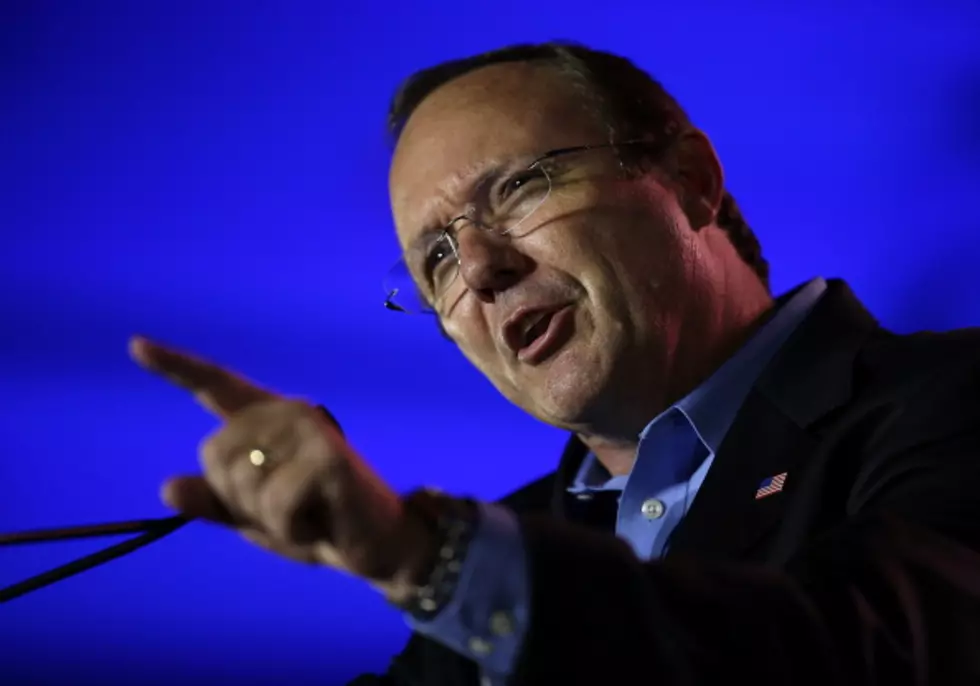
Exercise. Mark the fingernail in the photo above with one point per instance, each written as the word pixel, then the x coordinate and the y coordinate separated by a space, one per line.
pixel 139 348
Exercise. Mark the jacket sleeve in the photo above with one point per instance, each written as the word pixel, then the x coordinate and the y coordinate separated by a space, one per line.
pixel 890 597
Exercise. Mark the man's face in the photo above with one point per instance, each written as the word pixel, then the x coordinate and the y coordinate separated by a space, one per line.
pixel 606 273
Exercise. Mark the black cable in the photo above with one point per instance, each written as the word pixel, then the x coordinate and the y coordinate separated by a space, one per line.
pixel 160 528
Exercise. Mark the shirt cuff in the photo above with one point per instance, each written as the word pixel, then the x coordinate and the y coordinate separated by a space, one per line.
pixel 486 619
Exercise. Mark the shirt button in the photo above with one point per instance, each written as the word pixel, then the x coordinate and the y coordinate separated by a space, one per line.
pixel 479 646
pixel 501 624
pixel 652 508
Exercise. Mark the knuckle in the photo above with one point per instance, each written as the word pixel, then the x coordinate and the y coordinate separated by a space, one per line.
pixel 271 414
pixel 300 412
pixel 256 411
pixel 309 428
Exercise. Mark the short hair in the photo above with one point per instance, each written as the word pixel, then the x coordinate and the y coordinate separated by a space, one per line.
pixel 629 102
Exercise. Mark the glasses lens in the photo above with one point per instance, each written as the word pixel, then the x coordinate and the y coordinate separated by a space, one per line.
pixel 508 207
pixel 520 198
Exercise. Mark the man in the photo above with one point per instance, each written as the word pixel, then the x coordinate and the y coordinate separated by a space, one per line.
pixel 754 489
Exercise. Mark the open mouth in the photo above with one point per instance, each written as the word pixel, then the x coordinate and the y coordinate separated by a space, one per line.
pixel 535 328
pixel 543 333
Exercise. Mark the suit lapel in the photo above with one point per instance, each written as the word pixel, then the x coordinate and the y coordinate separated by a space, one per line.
pixel 775 431
pixel 727 518
pixel 773 434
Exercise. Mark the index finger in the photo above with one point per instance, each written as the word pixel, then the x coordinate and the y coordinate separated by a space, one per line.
pixel 218 389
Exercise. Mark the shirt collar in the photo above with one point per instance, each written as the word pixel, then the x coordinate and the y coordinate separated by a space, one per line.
pixel 711 407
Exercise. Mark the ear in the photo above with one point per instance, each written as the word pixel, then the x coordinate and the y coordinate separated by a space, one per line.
pixel 700 180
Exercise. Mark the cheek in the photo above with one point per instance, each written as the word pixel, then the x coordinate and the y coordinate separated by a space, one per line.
pixel 645 234
pixel 640 266
pixel 475 341
pixel 618 220
pixel 469 330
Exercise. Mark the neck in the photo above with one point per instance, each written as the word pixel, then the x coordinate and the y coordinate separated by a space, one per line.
pixel 689 366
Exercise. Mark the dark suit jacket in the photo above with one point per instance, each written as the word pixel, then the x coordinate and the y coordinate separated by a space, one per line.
pixel 864 570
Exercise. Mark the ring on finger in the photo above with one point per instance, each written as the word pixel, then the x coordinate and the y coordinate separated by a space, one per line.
pixel 260 458
pixel 246 475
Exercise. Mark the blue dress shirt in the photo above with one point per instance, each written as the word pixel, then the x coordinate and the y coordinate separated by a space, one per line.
pixel 488 616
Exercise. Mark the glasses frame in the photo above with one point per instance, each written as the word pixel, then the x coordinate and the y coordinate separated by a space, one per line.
pixel 661 145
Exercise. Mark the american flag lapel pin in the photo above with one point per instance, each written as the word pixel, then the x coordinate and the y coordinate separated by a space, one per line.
pixel 774 484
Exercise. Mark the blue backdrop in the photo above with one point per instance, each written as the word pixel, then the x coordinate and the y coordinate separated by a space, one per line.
pixel 214 174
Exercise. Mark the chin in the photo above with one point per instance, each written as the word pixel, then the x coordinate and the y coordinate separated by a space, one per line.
pixel 570 389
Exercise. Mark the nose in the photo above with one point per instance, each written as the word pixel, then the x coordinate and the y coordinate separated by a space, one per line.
pixel 489 263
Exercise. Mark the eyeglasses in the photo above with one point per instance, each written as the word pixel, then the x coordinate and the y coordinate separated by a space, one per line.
pixel 424 278
pixel 150 530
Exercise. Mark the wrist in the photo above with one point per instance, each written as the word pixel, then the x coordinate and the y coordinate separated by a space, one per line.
pixel 420 545
pixel 440 529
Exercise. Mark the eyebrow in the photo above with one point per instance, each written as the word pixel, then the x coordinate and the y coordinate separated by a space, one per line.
pixel 490 171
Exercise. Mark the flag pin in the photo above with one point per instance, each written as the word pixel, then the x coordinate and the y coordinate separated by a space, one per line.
pixel 774 484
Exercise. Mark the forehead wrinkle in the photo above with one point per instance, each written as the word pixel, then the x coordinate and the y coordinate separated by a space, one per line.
pixel 453 192
pixel 493 116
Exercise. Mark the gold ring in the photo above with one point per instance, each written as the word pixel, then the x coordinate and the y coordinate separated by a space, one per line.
pixel 259 458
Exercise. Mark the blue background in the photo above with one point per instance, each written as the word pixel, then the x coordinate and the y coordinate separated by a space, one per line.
pixel 214 174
